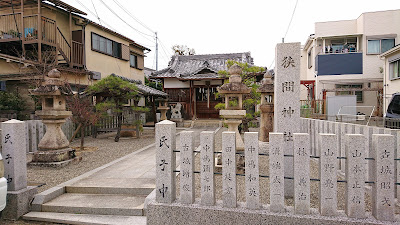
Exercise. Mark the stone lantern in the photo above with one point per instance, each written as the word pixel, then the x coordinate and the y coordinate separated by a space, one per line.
pixel 234 91
pixel 163 109
pixel 266 107
pixel 54 145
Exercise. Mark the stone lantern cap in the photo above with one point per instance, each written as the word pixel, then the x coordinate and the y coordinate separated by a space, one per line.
pixel 235 85
pixel 52 85
pixel 267 83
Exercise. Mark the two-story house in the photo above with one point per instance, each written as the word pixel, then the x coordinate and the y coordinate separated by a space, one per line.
pixel 391 79
pixel 341 58
pixel 35 35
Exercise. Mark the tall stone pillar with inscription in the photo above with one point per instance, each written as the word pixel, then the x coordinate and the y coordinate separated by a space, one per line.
pixel 287 102
pixel 19 195
pixel 165 159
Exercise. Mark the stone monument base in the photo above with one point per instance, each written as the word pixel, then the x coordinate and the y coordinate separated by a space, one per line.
pixel 54 158
pixel 18 203
pixel 53 155
pixel 199 214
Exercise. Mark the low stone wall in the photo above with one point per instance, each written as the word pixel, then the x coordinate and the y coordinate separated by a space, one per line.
pixel 168 208
pixel 177 213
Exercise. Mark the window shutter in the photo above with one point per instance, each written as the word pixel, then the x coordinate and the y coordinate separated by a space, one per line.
pixel 140 62
pixel 125 52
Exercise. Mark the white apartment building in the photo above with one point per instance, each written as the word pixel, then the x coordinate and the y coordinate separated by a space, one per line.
pixel 342 57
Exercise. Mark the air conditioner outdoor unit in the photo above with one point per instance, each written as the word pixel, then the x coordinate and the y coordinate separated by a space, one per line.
pixel 96 75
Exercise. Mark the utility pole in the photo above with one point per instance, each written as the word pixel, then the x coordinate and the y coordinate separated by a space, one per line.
pixel 156 52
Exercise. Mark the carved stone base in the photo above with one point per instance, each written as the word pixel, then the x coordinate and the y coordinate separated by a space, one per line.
pixel 233 126
pixel 53 155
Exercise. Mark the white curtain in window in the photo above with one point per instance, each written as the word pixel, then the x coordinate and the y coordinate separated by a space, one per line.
pixel 386 44
pixel 373 47
pixel 109 47
pixel 103 45
pixel 95 41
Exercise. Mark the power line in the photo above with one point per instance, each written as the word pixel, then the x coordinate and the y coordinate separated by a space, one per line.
pixel 104 23
pixel 133 17
pixel 112 11
pixel 163 48
pixel 287 29
pixel 96 12
pixel 294 10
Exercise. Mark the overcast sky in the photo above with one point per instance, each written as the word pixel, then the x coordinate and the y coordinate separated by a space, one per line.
pixel 223 26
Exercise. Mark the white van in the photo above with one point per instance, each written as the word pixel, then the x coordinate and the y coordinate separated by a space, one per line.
pixel 3 186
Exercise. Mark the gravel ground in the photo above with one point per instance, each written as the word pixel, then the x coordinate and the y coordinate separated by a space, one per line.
pixel 264 183
pixel 100 151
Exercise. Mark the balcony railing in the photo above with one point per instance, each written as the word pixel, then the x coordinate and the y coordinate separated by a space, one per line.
pixel 77 53
pixel 338 64
pixel 14 27
pixel 10 26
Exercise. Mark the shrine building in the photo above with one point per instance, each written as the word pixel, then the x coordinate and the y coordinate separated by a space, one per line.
pixel 192 80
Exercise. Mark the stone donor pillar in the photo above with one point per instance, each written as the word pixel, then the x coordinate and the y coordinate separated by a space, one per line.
pixel 54 146
pixel 19 195
pixel 287 102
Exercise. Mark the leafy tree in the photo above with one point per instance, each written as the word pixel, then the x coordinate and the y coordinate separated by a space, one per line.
pixel 251 100
pixel 115 93
pixel 83 113
pixel 11 101
pixel 152 84
pixel 183 50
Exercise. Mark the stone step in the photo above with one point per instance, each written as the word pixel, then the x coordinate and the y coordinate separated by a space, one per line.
pixel 99 204
pixel 69 218
pixel 109 190
pixel 139 186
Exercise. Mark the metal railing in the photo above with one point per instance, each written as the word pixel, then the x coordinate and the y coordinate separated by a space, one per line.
pixel 10 26
pixel 77 53
pixel 64 46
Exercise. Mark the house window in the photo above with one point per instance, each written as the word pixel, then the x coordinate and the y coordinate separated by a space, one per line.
pixel 133 61
pixel 394 69
pixel 309 59
pixel 337 45
pixel 106 46
pixel 342 45
pixel 359 94
pixel 379 46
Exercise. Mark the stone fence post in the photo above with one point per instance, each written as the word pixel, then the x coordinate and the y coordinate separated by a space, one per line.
pixel 19 195
pixel 165 161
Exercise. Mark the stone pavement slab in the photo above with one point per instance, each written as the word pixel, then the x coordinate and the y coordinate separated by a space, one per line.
pixel 84 219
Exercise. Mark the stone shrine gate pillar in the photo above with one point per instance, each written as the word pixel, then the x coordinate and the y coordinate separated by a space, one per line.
pixel 287 102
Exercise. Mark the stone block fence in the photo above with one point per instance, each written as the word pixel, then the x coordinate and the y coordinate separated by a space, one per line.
pixel 338 147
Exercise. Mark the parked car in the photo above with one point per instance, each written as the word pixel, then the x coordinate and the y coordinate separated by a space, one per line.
pixel 3 185
pixel 392 115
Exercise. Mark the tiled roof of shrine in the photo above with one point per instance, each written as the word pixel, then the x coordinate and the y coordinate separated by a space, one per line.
pixel 191 67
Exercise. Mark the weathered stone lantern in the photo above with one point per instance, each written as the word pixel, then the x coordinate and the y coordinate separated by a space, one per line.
pixel 266 107
pixel 163 109
pixel 54 145
pixel 233 92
